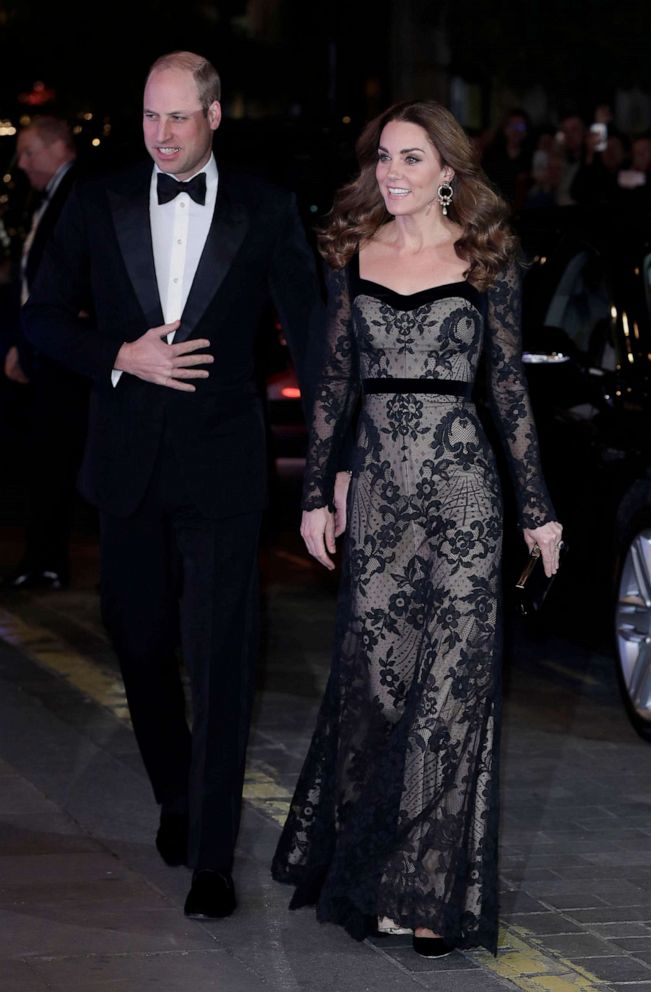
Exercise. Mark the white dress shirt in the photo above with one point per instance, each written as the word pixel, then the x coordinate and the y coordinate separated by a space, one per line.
pixel 179 230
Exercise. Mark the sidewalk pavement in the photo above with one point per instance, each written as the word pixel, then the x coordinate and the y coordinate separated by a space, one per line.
pixel 86 904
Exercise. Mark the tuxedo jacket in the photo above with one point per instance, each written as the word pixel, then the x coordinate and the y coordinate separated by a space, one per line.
pixel 101 257
pixel 43 233
pixel 48 222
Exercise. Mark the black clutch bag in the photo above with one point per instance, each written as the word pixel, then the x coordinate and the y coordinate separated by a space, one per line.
pixel 533 585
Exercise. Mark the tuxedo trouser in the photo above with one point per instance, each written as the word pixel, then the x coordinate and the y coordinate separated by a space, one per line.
pixel 168 573
pixel 59 411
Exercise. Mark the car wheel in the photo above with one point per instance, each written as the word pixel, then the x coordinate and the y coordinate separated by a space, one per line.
pixel 633 628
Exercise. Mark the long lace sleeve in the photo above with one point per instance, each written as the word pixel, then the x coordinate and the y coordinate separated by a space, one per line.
pixel 336 394
pixel 510 399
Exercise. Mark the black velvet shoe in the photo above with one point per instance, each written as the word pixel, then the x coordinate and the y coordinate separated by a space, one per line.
pixel 211 897
pixel 431 947
pixel 172 839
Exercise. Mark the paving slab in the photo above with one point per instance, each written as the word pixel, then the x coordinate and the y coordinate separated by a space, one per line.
pixel 636 945
pixel 158 972
pixel 37 834
pixel 642 956
pixel 617 968
pixel 467 981
pixel 36 931
pixel 579 945
pixel 632 986
pixel 572 902
pixel 87 905
pixel 610 914
pixel 417 965
pixel 20 976
pixel 611 931
pixel 543 924
pixel 517 901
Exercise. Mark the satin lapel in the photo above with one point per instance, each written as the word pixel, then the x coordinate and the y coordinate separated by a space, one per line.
pixel 133 230
pixel 230 223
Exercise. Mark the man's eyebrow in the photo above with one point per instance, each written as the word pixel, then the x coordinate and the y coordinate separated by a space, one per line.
pixel 171 113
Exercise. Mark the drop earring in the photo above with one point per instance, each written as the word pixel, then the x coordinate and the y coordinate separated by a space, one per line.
pixel 444 194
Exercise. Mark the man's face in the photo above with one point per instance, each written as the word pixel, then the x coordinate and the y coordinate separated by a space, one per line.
pixel 38 160
pixel 574 130
pixel 178 134
pixel 516 128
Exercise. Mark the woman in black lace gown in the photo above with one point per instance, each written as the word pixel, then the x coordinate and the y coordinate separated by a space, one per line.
pixel 394 818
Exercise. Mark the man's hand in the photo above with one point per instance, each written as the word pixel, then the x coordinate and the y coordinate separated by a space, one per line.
pixel 150 357
pixel 13 368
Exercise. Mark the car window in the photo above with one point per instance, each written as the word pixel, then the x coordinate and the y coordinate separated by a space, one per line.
pixel 581 307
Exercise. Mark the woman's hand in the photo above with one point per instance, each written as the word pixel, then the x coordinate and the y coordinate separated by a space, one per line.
pixel 340 499
pixel 318 532
pixel 548 539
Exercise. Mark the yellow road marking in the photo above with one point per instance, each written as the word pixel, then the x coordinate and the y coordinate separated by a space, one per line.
pixel 521 958
pixel 264 791
pixel 524 963
pixel 570 673
pixel 44 647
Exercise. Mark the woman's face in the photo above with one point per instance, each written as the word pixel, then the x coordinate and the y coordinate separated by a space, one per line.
pixel 409 169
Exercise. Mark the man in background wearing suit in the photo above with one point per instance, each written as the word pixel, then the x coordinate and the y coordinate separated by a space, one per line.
pixel 179 261
pixel 58 399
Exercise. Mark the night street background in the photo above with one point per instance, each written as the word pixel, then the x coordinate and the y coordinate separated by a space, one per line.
pixel 86 905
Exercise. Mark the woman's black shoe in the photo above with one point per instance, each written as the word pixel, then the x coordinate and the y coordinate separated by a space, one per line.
pixel 431 947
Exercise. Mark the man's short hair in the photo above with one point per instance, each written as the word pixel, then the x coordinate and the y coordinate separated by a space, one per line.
pixel 205 75
pixel 51 129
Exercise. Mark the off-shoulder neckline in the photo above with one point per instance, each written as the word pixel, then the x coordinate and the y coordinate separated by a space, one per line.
pixel 405 296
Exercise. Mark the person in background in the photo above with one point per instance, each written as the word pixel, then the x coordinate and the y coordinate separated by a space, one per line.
pixel 634 181
pixel 570 138
pixel 546 174
pixel 507 160
pixel 605 153
pixel 57 400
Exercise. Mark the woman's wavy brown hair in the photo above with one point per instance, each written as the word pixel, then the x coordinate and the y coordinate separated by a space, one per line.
pixel 487 243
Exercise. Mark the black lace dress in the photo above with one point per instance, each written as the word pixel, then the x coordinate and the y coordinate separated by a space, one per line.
pixel 395 811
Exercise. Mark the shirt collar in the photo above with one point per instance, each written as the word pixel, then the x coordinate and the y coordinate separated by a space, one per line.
pixel 210 168
pixel 57 177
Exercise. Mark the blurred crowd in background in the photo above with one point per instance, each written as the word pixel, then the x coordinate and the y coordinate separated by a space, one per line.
pixel 575 163
pixel 588 164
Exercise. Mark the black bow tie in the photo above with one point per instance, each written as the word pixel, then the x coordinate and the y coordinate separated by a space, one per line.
pixel 168 187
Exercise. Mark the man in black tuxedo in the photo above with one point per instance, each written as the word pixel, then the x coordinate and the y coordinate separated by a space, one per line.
pixel 57 398
pixel 178 262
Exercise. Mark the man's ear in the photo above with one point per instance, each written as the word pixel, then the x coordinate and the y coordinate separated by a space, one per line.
pixel 214 114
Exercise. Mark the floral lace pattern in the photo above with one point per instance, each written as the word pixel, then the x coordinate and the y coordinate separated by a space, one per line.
pixel 395 811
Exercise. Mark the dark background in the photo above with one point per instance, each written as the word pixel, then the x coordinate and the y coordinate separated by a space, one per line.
pixel 319 63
